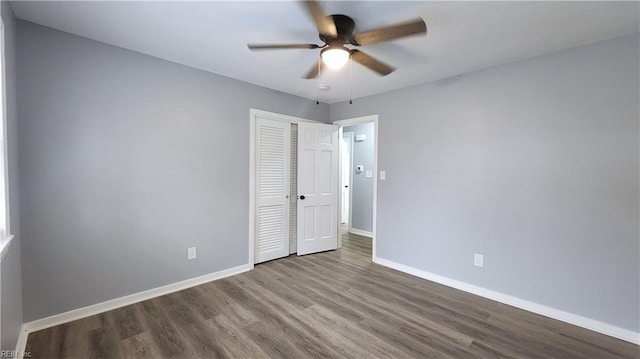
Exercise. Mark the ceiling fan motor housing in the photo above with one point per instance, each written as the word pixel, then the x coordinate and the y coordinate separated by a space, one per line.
pixel 344 26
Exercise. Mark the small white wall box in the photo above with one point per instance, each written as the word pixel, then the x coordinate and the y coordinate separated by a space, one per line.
pixel 191 253
pixel 359 168
pixel 360 138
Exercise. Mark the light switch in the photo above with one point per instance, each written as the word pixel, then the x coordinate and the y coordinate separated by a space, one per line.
pixel 368 174
pixel 383 175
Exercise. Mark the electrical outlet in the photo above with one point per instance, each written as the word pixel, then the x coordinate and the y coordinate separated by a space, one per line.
pixel 191 253
pixel 478 260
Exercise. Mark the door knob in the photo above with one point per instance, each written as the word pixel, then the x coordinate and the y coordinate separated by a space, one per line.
pixel 302 197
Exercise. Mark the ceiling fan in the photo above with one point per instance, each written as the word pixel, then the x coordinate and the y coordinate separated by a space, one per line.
pixel 336 31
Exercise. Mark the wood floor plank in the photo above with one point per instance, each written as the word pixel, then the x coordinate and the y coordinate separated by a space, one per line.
pixel 526 324
pixel 196 300
pixel 275 343
pixel 441 340
pixel 224 304
pixel 406 317
pixel 39 342
pixel 280 316
pixel 482 350
pixel 392 336
pixel 71 340
pixel 104 341
pixel 325 295
pixel 233 338
pixel 298 319
pixel 139 346
pixel 128 321
pixel 162 330
pixel 60 346
pixel 300 268
pixel 263 278
pixel 335 304
pixel 192 331
pixel 354 332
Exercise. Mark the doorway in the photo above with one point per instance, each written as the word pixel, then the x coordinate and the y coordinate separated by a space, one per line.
pixel 360 158
pixel 346 149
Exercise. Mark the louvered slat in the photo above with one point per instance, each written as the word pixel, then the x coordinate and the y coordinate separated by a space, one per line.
pixel 270 230
pixel 272 152
pixel 293 225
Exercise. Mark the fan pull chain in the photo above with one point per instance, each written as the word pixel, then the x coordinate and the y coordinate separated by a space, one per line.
pixel 318 87
pixel 351 80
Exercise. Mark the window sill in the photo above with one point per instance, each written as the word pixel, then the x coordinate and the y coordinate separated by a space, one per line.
pixel 4 245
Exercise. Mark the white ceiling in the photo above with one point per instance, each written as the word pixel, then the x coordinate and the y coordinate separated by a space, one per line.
pixel 212 36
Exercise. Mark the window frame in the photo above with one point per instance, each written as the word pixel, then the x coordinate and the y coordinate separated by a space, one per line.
pixel 5 233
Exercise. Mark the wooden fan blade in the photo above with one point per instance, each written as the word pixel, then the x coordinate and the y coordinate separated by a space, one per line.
pixel 324 23
pixel 372 63
pixel 315 70
pixel 387 33
pixel 281 46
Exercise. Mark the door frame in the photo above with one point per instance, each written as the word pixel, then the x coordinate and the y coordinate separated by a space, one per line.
pixel 352 139
pixel 355 121
pixel 253 113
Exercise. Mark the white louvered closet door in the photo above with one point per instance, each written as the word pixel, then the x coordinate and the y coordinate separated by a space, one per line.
pixel 273 156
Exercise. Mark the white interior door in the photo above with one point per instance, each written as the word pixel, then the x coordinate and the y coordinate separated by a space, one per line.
pixel 317 187
pixel 272 173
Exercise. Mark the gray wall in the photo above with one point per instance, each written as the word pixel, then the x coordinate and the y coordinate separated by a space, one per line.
pixel 11 265
pixel 126 160
pixel 362 187
pixel 533 164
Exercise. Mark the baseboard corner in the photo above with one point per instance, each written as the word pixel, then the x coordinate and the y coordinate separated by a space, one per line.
pixel 115 303
pixel 21 344
pixel 361 232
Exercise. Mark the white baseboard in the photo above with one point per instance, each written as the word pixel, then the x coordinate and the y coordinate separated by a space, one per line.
pixel 584 322
pixel 361 232
pixel 98 308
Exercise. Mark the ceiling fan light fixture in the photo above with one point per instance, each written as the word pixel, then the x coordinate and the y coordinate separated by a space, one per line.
pixel 336 30
pixel 335 57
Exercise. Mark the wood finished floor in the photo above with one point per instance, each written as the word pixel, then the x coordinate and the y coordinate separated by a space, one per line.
pixel 333 304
